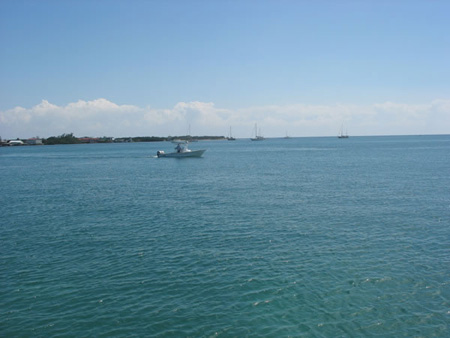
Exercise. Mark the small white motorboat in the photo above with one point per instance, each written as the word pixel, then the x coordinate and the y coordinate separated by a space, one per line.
pixel 182 151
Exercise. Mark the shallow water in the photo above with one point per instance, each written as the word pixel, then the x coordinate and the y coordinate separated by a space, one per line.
pixel 313 237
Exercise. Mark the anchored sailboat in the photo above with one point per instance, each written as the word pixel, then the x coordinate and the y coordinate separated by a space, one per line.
pixel 341 132
pixel 230 137
pixel 257 137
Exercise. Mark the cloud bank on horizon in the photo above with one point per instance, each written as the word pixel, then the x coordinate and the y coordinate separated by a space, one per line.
pixel 101 117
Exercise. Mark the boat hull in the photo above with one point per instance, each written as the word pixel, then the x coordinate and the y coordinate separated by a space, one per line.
pixel 193 153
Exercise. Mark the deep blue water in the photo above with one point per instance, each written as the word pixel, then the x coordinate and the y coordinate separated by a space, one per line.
pixel 313 237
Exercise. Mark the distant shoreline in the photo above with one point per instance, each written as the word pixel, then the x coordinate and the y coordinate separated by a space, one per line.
pixel 71 139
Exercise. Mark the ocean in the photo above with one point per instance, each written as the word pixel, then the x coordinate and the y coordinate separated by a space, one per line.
pixel 300 237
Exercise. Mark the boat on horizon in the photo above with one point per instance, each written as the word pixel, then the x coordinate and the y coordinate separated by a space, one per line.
pixel 341 132
pixel 257 137
pixel 230 137
pixel 182 151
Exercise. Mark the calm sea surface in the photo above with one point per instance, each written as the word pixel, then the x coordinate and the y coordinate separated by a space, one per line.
pixel 313 237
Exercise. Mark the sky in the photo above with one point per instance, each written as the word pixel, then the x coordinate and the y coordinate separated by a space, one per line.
pixel 172 67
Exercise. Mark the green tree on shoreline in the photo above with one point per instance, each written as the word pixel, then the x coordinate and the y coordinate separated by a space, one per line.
pixel 62 139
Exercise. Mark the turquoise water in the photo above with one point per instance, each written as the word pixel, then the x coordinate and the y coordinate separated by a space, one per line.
pixel 313 237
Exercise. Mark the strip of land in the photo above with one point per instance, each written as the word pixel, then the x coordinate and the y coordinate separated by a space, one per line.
pixel 71 139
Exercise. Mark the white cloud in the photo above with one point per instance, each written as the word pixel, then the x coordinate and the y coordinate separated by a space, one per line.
pixel 102 117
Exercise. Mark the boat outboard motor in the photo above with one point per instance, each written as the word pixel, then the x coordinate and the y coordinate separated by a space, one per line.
pixel 159 152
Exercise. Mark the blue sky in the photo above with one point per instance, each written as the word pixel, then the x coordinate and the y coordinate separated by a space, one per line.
pixel 128 68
